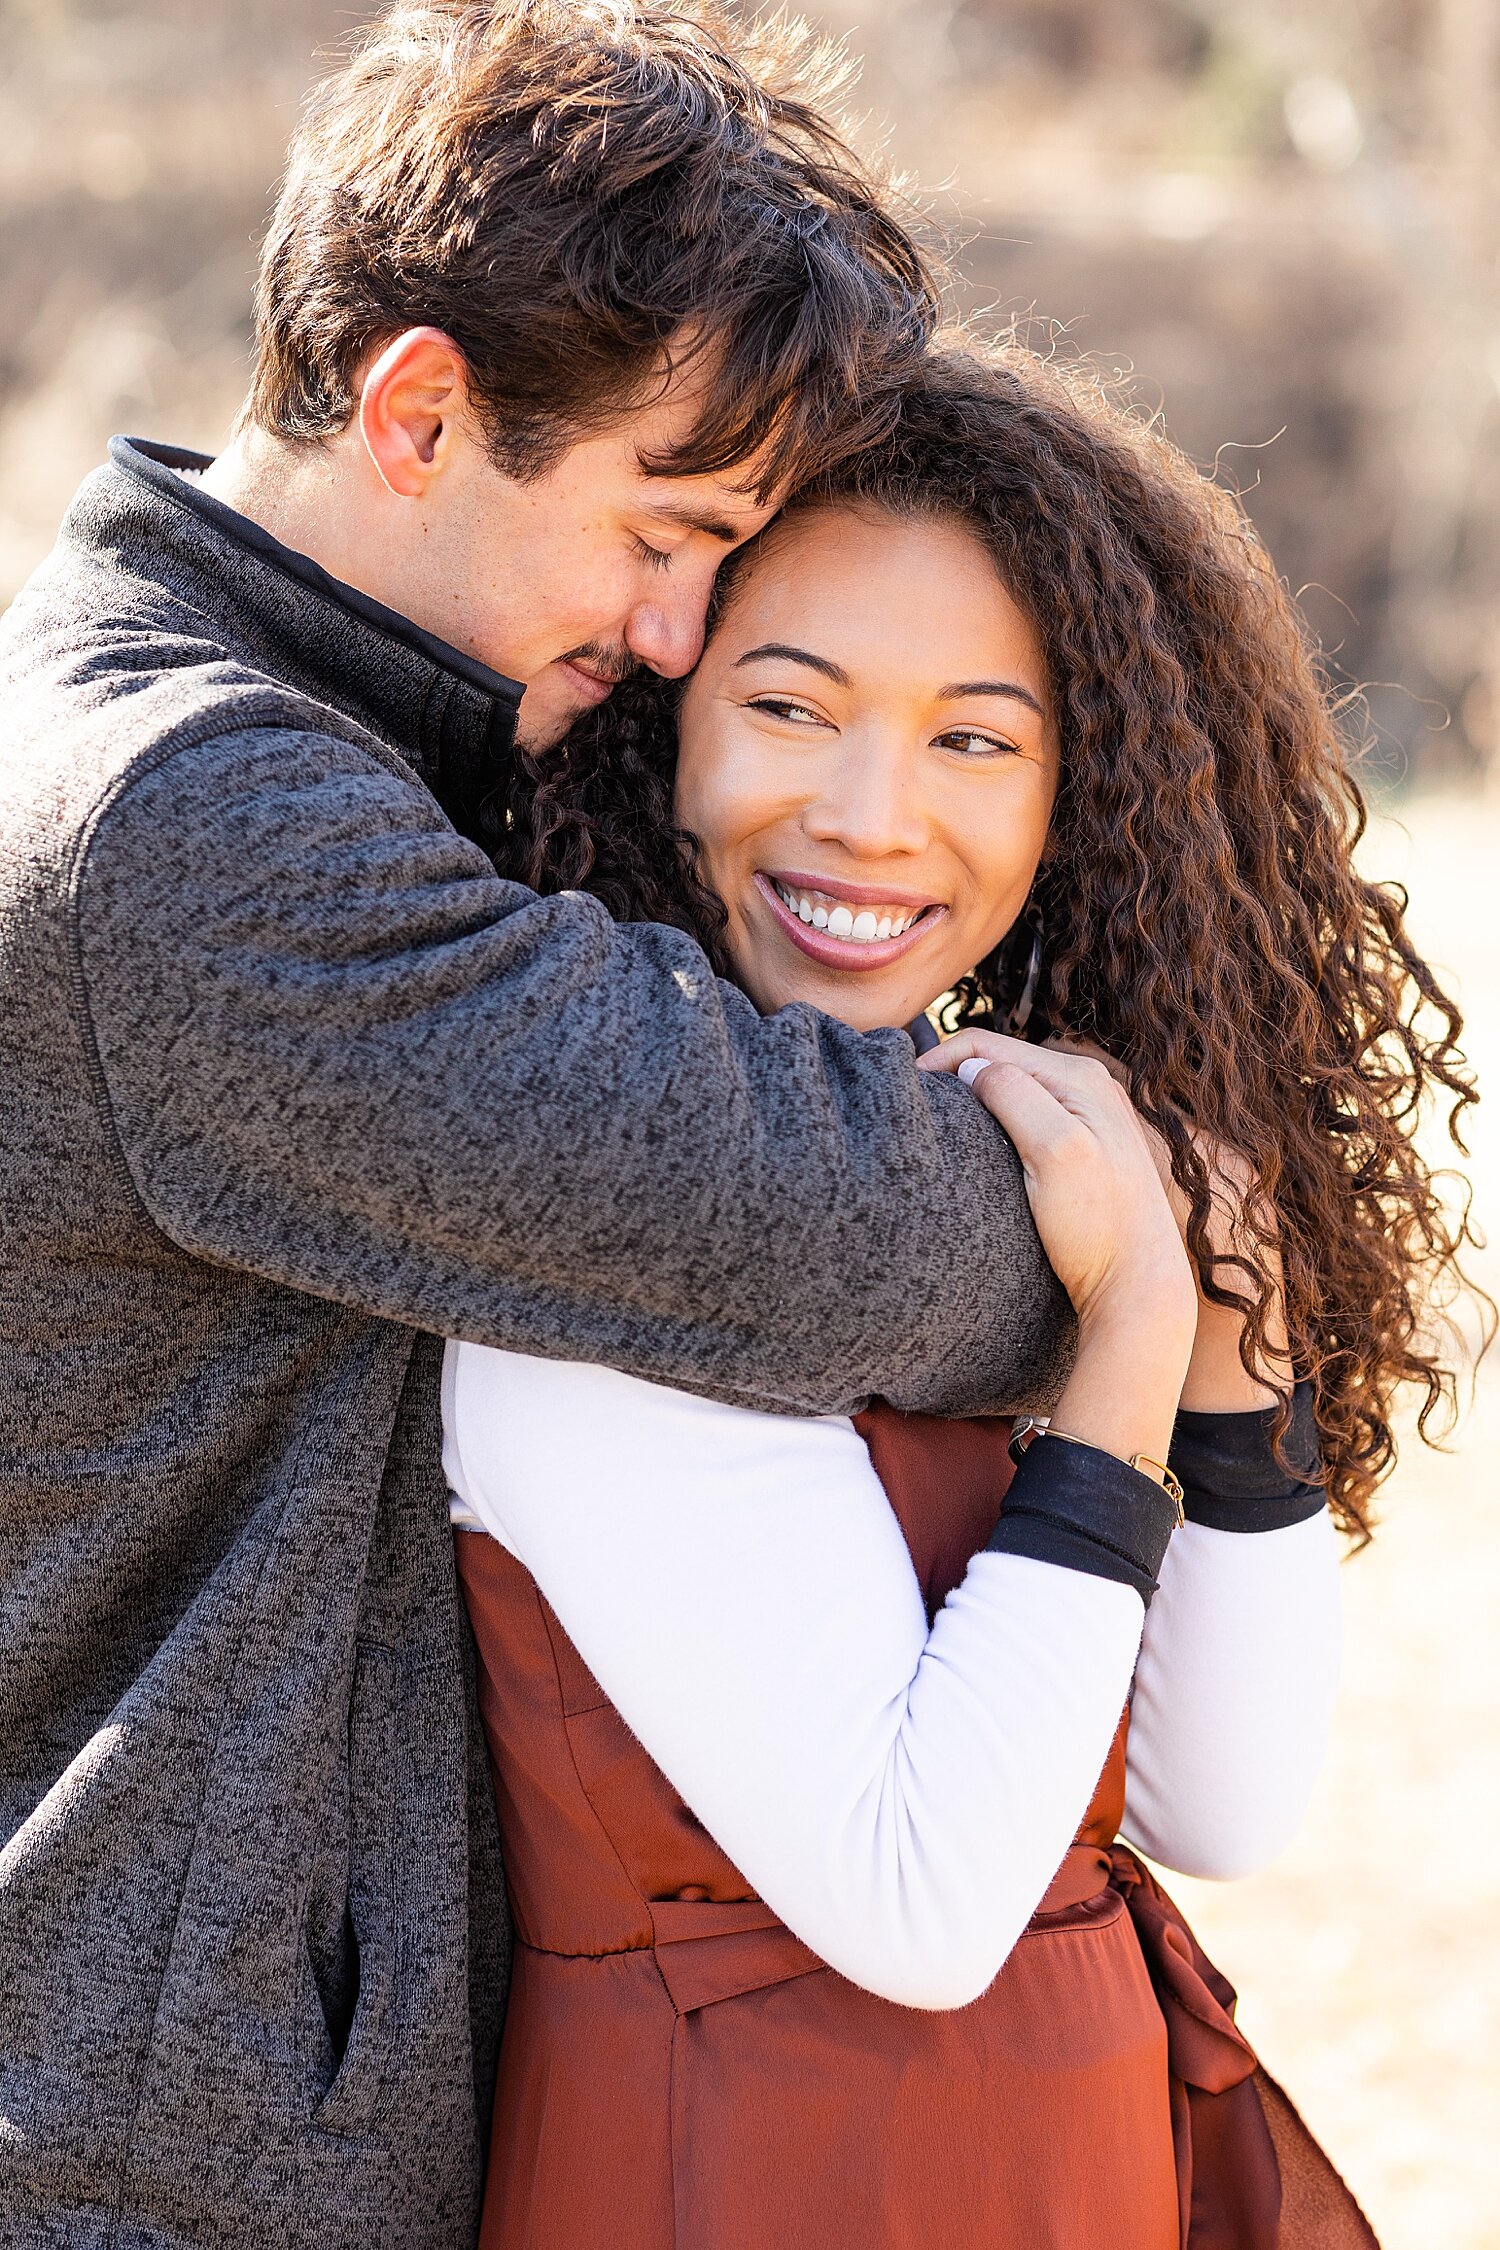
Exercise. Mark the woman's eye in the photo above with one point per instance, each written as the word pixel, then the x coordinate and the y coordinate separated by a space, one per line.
pixel 658 557
pixel 786 707
pixel 970 743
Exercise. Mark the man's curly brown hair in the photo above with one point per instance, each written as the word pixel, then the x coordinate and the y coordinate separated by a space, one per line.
pixel 1203 919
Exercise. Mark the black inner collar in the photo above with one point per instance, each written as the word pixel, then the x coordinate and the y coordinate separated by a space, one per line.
pixel 450 715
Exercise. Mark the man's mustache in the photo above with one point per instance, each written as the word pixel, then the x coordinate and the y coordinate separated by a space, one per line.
pixel 612 664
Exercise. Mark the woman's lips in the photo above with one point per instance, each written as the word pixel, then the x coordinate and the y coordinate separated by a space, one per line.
pixel 846 953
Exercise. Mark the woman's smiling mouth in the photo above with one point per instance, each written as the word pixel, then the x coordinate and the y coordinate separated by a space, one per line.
pixel 845 925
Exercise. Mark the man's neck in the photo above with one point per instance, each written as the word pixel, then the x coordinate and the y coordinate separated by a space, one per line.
pixel 300 494
pixel 326 499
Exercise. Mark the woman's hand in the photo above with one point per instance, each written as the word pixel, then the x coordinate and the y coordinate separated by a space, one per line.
pixel 1091 1173
pixel 1217 1381
pixel 1106 1224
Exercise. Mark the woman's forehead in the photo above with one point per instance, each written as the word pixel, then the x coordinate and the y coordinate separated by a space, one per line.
pixel 875 590
pixel 857 556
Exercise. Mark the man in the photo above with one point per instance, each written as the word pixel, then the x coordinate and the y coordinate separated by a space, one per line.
pixel 555 304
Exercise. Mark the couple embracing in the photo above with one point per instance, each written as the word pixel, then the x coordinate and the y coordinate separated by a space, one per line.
pixel 605 1537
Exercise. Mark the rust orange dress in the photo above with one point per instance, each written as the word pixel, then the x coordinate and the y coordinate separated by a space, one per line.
pixel 680 2072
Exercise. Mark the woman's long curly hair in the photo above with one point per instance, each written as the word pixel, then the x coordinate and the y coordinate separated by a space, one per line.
pixel 1202 918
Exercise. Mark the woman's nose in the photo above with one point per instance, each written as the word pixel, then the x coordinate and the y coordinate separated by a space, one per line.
pixel 870 803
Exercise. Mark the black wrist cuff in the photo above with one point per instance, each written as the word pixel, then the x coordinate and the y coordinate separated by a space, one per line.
pixel 1230 1476
pixel 1087 1510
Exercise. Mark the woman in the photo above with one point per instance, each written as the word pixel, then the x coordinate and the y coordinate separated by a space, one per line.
pixel 810 1754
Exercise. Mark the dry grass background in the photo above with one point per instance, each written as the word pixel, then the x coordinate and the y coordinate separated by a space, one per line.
pixel 1368 1958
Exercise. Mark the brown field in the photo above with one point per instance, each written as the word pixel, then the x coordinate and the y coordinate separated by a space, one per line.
pixel 1368 1958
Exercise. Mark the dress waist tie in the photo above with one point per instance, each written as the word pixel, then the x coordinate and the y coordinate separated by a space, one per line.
pixel 1236 2137
pixel 1228 2178
pixel 1250 2175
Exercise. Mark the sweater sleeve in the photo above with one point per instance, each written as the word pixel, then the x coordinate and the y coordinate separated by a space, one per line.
pixel 338 1051
pixel 1238 1668
pixel 739 1587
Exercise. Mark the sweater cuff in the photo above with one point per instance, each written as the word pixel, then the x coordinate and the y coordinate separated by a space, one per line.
pixel 1230 1476
pixel 1086 1510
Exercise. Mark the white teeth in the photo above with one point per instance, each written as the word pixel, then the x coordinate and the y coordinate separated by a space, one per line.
pixel 863 928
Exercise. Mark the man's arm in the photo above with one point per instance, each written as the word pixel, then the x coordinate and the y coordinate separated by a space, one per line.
pixel 340 1052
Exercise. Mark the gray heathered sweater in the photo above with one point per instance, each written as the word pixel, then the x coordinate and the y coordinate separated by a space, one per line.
pixel 290 1086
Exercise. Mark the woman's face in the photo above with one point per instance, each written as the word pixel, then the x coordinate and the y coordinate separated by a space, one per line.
pixel 868 758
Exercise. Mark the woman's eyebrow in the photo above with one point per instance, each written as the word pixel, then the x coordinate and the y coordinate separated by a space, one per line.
pixel 790 655
pixel 1012 688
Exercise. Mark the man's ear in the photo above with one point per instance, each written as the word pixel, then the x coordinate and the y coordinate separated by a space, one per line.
pixel 411 409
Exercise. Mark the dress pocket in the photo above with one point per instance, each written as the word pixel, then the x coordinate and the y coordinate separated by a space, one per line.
pixel 355 2100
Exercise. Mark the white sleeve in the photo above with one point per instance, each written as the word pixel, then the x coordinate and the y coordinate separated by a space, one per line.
pixel 1234 1691
pixel 739 1587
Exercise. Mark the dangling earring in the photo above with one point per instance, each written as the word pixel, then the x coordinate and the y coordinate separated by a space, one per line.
pixel 1020 1014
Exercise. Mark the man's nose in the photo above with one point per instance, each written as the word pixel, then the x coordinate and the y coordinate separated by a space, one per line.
pixel 668 634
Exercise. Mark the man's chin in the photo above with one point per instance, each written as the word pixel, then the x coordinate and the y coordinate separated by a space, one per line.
pixel 545 718
pixel 544 735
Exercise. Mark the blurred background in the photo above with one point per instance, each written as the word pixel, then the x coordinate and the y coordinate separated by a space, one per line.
pixel 1277 222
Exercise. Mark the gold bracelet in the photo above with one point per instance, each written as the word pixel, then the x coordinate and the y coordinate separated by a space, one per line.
pixel 1032 1426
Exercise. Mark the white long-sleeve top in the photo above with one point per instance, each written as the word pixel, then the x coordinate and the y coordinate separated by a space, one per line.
pixel 901 1795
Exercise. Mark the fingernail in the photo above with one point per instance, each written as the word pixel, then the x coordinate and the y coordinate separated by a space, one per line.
pixel 969 1071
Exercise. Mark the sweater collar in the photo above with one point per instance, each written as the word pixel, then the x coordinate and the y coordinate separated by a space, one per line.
pixel 451 717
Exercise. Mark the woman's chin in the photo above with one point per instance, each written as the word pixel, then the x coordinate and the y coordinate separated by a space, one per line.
pixel 864 1002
